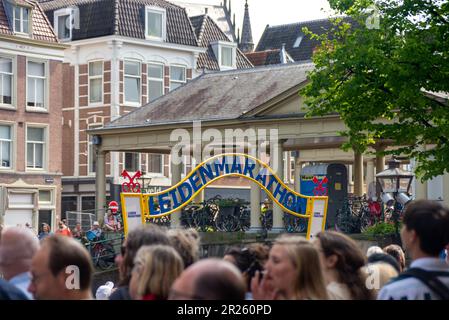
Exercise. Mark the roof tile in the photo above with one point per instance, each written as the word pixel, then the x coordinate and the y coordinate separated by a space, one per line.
pixel 207 31
pixel 41 28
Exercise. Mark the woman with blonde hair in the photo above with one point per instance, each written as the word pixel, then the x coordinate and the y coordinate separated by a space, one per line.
pixel 293 271
pixel 156 267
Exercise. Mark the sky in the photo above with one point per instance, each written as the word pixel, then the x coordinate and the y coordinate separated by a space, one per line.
pixel 263 12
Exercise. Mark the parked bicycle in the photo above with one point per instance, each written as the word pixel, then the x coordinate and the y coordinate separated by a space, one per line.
pixel 357 214
pixel 294 224
pixel 101 250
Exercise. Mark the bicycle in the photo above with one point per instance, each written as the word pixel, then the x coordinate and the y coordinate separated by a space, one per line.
pixel 294 224
pixel 103 254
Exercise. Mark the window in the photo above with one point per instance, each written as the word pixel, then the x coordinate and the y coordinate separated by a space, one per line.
pixel 132 161
pixel 88 204
pixel 155 164
pixel 225 54
pixel 298 41
pixel 155 81
pixel 132 81
pixel 155 23
pixel 226 57
pixel 21 19
pixel 96 82
pixel 177 77
pixel 6 77
pixel 5 146
pixel 92 158
pixel 35 148
pixel 68 203
pixel 44 195
pixel 63 26
pixel 36 84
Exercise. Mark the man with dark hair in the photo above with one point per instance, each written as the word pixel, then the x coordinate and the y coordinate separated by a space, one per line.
pixel 209 279
pixel 61 270
pixel 424 235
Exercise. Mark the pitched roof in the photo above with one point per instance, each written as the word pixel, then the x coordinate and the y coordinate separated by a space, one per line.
pixel 267 57
pixel 207 31
pixel 219 13
pixel 273 38
pixel 123 17
pixel 41 28
pixel 218 96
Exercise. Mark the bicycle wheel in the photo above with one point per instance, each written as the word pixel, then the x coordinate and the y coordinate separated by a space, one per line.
pixel 106 258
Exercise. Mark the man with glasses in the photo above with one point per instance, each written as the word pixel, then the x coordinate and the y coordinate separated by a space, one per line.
pixel 18 246
pixel 61 270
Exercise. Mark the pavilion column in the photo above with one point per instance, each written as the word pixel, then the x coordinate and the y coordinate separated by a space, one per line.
pixel 380 160
pixel 176 170
pixel 297 177
pixel 100 185
pixel 446 188
pixel 358 174
pixel 421 187
pixel 370 174
pixel 277 163
pixel 255 202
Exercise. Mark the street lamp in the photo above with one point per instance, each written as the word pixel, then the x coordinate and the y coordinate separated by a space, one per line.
pixel 395 186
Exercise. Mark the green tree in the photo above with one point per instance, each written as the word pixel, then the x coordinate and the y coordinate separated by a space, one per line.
pixel 380 79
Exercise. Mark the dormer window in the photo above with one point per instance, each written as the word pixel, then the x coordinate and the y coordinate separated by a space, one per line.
pixel 227 56
pixel 155 23
pixel 225 53
pixel 62 23
pixel 21 20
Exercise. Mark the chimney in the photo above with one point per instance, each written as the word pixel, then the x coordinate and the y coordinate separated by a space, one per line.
pixel 283 54
pixel 206 10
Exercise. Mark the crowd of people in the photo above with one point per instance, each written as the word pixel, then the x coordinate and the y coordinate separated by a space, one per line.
pixel 158 264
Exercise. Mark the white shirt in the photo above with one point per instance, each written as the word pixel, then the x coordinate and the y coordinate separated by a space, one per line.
pixel 22 282
pixel 412 288
pixel 338 291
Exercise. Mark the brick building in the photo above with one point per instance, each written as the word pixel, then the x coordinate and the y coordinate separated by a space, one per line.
pixel 31 61
pixel 122 55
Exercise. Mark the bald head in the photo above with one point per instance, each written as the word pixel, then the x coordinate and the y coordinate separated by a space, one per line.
pixel 210 279
pixel 18 246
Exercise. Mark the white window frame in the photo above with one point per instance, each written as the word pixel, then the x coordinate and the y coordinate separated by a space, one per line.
pixel 157 10
pixel 21 32
pixel 89 77
pixel 90 145
pixel 59 13
pixel 13 83
pixel 12 142
pixel 217 48
pixel 45 147
pixel 178 81
pixel 45 108
pixel 139 159
pixel 132 103
pixel 161 80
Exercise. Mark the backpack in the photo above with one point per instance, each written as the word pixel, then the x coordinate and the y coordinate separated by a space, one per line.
pixel 429 278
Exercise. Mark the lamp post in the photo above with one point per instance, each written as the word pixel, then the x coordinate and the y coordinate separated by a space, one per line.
pixel 395 186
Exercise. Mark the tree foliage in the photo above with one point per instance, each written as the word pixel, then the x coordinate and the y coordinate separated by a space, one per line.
pixel 379 80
